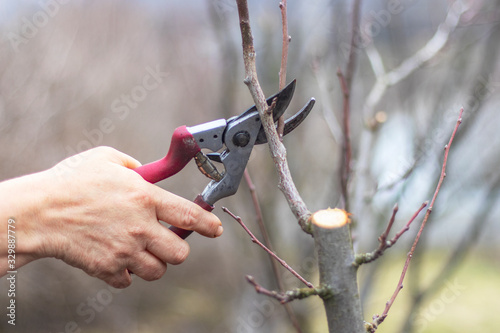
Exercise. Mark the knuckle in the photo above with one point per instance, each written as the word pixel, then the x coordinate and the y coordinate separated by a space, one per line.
pixel 96 266
pixel 105 150
pixel 102 267
pixel 143 199
pixel 120 250
pixel 136 231
pixel 120 281
pixel 191 217
pixel 156 273
pixel 181 253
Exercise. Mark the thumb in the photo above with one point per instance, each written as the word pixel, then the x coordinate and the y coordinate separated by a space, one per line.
pixel 124 159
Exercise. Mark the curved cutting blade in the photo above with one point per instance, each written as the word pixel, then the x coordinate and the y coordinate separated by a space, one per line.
pixel 291 123
pixel 283 100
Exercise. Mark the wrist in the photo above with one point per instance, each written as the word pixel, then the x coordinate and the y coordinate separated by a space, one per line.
pixel 24 199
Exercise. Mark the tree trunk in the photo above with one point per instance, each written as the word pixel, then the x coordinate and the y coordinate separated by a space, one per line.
pixel 336 269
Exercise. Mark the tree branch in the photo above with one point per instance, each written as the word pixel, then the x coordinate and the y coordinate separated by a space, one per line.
pixel 411 64
pixel 256 241
pixel 462 249
pixel 278 151
pixel 346 85
pixel 267 242
pixel 328 114
pixel 377 320
pixel 291 295
pixel 384 243
pixel 345 168
pixel 284 61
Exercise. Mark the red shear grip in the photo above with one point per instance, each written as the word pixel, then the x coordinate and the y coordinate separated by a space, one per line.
pixel 202 203
pixel 182 233
pixel 183 148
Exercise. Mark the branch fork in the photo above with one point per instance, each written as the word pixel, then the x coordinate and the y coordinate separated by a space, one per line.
pixel 384 244
pixel 324 292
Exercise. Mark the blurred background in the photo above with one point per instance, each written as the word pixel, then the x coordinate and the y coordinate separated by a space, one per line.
pixel 68 67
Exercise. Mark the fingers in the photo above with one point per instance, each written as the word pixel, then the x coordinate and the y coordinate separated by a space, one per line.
pixel 170 208
pixel 150 264
pixel 167 246
pixel 143 264
pixel 185 214
pixel 147 266
pixel 120 280
pixel 159 246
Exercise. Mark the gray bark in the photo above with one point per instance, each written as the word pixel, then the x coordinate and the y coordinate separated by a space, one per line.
pixel 335 258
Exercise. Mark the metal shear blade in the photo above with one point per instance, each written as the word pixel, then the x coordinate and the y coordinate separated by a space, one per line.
pixel 283 99
pixel 290 124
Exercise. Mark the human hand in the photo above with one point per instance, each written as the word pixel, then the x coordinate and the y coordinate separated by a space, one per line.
pixel 101 216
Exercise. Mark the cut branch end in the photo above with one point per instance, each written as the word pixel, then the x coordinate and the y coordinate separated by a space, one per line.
pixel 330 218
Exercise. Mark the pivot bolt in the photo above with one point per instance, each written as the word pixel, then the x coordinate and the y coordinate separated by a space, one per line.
pixel 241 138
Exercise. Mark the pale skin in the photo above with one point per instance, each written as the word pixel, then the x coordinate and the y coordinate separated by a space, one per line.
pixel 97 214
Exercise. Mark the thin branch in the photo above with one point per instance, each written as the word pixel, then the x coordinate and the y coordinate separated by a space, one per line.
pixel 377 320
pixel 328 114
pixel 256 241
pixel 351 62
pixel 405 175
pixel 384 244
pixel 291 295
pixel 284 60
pixel 411 64
pixel 345 168
pixel 260 223
pixel 462 249
pixel 346 85
pixel 267 242
pixel 375 60
pixel 278 151
pixel 286 42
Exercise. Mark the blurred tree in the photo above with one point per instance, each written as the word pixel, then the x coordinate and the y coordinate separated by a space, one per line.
pixel 60 83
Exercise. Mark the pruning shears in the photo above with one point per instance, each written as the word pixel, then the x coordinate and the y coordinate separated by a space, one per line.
pixel 230 141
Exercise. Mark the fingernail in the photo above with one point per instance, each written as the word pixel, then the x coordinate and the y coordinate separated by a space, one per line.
pixel 219 231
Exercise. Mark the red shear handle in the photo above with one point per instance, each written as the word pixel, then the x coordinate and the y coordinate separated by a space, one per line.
pixel 182 233
pixel 183 147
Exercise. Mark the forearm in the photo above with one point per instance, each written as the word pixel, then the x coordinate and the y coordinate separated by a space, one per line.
pixel 21 200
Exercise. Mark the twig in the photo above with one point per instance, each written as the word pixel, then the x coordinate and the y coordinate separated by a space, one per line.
pixel 463 248
pixel 256 241
pixel 260 223
pixel 377 320
pixel 345 168
pixel 267 242
pixel 286 42
pixel 346 85
pixel 288 296
pixel 284 60
pixel 278 151
pixel 384 244
pixel 328 114
pixel 408 66
pixel 375 60
pixel 351 62
pixel 402 177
